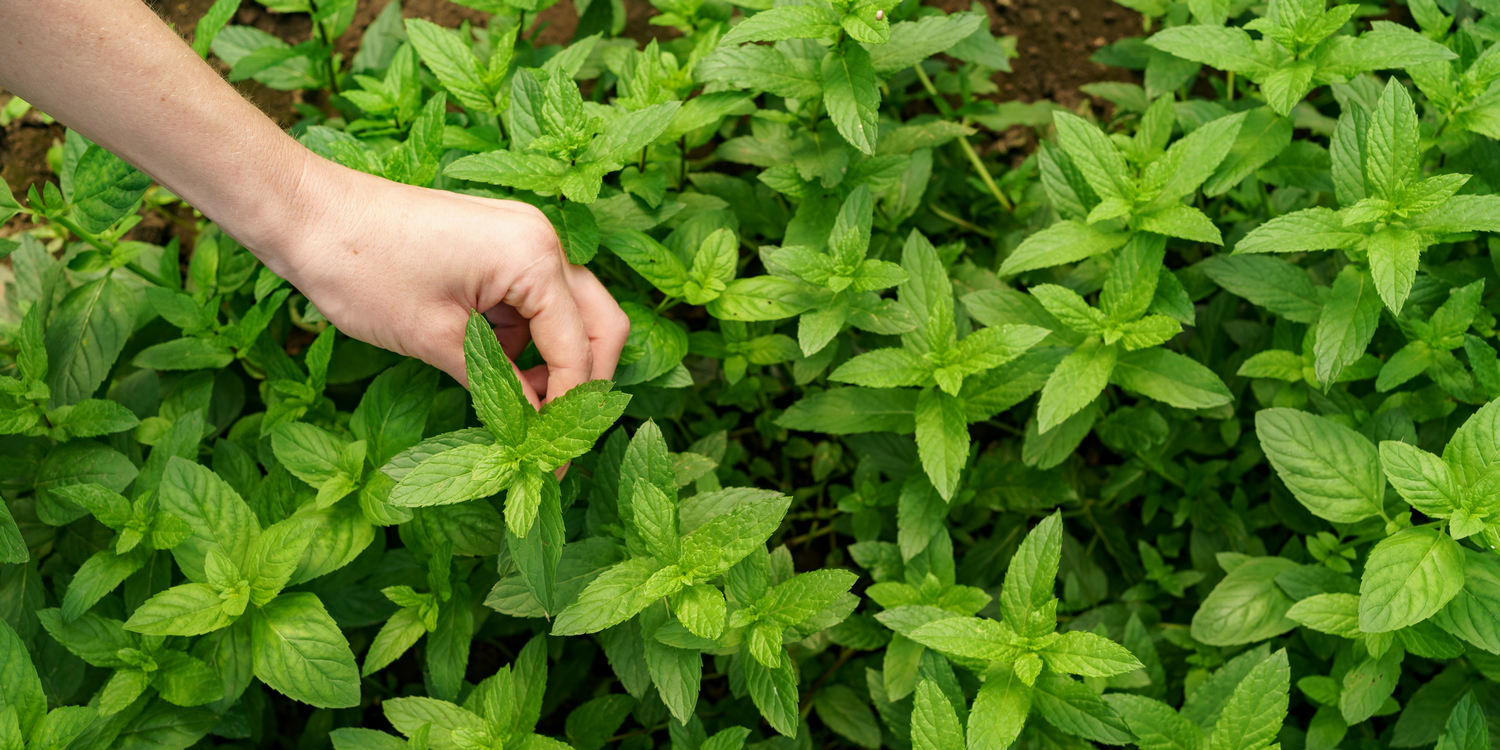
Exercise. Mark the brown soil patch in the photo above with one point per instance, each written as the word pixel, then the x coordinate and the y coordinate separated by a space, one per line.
pixel 1055 41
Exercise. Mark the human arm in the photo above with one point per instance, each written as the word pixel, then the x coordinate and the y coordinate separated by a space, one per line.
pixel 390 264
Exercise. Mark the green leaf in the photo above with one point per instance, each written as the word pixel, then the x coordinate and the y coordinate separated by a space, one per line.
pixel 105 189
pixel 911 42
pixel 793 601
pixel 1276 285
pixel 61 726
pixel 1082 653
pixel 185 681
pixel 1171 378
pixel 189 609
pixel 1191 160
pixel 535 172
pixel 1225 48
pixel 1332 470
pixel 493 384
pixel 1299 231
pixel 454 64
pixel 1262 137
pixel 220 520
pixel 774 692
pixel 576 229
pixel 650 259
pixel 1032 577
pixel 934 724
pixel 1095 156
pixel 1252 717
pixel 445 720
pixel 277 554
pixel 448 645
pixel 1423 479
pixel 1335 614
pixel 761 68
pixel 462 473
pixel 1076 382
pixel 85 334
pixel 188 353
pixel 701 609
pixel 1410 576
pixel 1000 709
pixel 1466 728
pixel 1247 606
pixel 393 411
pixel 848 715
pixel 626 136
pixel 310 453
pixel 1347 324
pixel 612 598
pixel 301 653
pixel 1156 725
pixel 1474 613
pixel 93 417
pixel 396 636
pixel 842 411
pixel 942 438
pixel 20 687
pixel 590 726
pixel 723 541
pixel 787 22
pixel 1394 253
pixel 1062 243
pixel 1370 684
pixel 1391 153
pixel 569 425
pixel 763 298
pixel 97 576
pixel 849 92
pixel 1077 710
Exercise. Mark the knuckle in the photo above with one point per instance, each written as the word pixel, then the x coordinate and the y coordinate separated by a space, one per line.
pixel 619 325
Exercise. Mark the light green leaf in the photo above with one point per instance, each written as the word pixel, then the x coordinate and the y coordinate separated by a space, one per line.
pixel 1410 576
pixel 300 653
pixel 1331 469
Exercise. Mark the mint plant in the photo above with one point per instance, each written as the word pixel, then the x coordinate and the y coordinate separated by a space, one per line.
pixel 1173 430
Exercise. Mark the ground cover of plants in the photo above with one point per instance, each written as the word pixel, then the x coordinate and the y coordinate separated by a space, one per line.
pixel 1178 433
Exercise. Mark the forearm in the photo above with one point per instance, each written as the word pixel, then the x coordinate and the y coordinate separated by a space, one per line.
pixel 111 70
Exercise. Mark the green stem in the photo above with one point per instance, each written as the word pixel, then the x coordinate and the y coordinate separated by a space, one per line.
pixel 1230 79
pixel 138 270
pixel 69 225
pixel 963 141
pixel 984 174
pixel 950 218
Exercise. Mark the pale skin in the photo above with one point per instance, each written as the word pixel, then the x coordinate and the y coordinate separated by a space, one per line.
pixel 397 266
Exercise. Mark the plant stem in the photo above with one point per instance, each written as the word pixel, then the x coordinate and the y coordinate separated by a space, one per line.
pixel 984 174
pixel 944 215
pixel 963 141
pixel 140 271
pixel 69 225
pixel 932 91
pixel 1230 80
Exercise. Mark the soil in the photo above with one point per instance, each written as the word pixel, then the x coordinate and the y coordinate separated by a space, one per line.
pixel 1054 40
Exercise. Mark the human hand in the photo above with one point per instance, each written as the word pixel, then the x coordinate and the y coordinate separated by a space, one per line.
pixel 400 267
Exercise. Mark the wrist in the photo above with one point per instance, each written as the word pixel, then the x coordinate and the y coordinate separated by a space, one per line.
pixel 279 215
